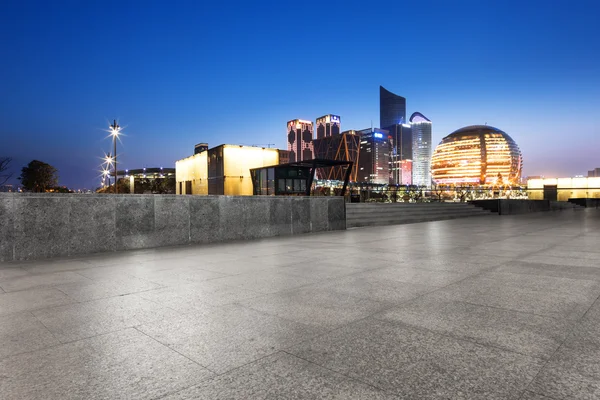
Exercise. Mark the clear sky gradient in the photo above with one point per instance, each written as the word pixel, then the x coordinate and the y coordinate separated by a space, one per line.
pixel 178 73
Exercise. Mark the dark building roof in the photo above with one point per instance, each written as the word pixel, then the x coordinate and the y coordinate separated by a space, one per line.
pixel 418 117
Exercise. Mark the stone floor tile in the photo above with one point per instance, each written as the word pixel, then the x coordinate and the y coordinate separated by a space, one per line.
pixel 22 332
pixel 100 289
pixel 281 376
pixel 511 330
pixel 176 276
pixel 54 265
pixel 11 272
pixel 547 259
pixel 572 373
pixel 318 307
pixel 41 280
pixel 83 320
pixel 319 270
pixel 266 281
pixel 417 276
pixel 198 296
pixel 528 395
pixel 555 270
pixel 419 364
pixel 228 337
pixel 119 365
pixel 522 296
pixel 365 286
pixel 32 299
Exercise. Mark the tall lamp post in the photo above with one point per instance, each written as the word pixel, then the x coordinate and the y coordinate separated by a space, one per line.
pixel 114 131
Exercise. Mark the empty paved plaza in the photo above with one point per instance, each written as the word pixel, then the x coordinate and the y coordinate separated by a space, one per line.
pixel 493 307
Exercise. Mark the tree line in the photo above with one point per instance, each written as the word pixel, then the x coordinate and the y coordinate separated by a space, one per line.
pixel 37 176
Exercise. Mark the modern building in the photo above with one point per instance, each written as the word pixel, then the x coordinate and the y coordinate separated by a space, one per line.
pixel 401 150
pixel 374 158
pixel 563 189
pixel 300 137
pixel 421 149
pixel 405 172
pixel 222 170
pixel 284 156
pixel 343 146
pixel 200 147
pixel 594 173
pixel 149 180
pixel 479 155
pixel 392 108
pixel 328 125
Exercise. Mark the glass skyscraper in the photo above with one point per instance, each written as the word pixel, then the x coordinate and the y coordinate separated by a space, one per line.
pixel 392 108
pixel 374 158
pixel 421 149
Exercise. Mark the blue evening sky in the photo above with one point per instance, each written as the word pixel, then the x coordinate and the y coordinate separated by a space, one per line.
pixel 177 73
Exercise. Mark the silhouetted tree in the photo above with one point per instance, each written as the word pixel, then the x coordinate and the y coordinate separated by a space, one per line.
pixel 4 174
pixel 38 176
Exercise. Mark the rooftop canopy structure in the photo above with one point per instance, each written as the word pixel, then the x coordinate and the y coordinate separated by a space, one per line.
pixel 295 178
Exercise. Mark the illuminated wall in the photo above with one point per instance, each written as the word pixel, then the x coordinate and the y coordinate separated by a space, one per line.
pixel 222 170
pixel 567 188
pixel 300 136
pixel 192 173
pixel 477 155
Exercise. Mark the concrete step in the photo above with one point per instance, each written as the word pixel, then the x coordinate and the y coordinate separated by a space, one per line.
pixel 373 214
pixel 367 213
pixel 408 220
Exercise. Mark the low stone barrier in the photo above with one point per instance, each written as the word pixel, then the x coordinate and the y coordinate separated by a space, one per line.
pixel 514 206
pixel 37 226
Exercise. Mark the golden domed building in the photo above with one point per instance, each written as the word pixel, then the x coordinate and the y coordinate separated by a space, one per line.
pixel 477 154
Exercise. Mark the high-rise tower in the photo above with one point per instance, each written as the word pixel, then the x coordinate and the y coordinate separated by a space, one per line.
pixel 392 108
pixel 421 148
pixel 300 135
pixel 328 125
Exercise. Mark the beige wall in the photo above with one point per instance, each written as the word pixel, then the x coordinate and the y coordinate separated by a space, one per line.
pixel 237 162
pixel 194 169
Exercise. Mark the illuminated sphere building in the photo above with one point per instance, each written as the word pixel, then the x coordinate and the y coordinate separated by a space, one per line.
pixel 477 154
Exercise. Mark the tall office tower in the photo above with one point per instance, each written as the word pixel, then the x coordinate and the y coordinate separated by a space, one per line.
pixel 328 125
pixel 401 142
pixel 392 108
pixel 374 158
pixel 421 149
pixel 300 135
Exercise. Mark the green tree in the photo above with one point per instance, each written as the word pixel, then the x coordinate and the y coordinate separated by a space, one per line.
pixel 38 176
pixel 4 174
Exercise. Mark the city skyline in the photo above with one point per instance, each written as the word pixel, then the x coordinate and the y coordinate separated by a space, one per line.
pixel 171 82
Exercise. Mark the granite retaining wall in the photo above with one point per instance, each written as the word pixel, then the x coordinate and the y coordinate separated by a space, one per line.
pixel 37 226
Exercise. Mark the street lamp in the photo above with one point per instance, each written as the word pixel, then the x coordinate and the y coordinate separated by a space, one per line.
pixel 114 132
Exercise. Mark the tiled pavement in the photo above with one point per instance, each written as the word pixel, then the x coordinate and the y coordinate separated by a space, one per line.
pixel 479 308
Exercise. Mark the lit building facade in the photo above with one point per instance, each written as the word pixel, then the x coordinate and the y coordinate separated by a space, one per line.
pixel 328 125
pixel 421 149
pixel 563 189
pixel 479 155
pixel 222 170
pixel 150 180
pixel 374 158
pixel 406 172
pixel 300 137
pixel 392 108
pixel 594 173
pixel 401 150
